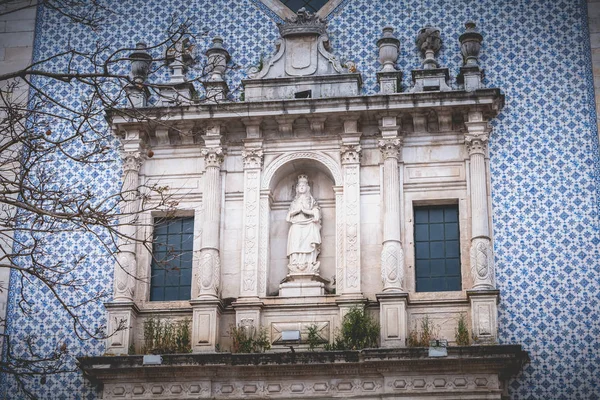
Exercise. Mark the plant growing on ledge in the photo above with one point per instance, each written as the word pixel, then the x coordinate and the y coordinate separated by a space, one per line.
pixel 167 337
pixel 359 331
pixel 422 337
pixel 461 333
pixel 248 339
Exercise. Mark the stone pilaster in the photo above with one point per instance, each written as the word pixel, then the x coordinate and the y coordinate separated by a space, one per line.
pixel 393 319
pixel 121 322
pixel 210 262
pixel 252 155
pixel 350 157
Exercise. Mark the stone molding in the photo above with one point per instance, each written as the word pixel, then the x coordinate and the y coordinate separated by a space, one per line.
pixel 332 166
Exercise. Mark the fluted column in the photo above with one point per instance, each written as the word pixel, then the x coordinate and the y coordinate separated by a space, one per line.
pixel 209 273
pixel 126 268
pixel 392 254
pixel 482 258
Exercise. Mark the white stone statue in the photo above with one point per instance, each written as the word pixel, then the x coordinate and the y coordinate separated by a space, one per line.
pixel 304 237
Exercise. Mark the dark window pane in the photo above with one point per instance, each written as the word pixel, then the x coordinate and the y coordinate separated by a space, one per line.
pixel 436 232
pixel 451 231
pixel 437 249
pixel 171 269
pixel 421 233
pixel 452 248
pixel 436 215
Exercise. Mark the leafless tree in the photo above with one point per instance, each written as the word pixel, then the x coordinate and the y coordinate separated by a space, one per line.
pixel 40 131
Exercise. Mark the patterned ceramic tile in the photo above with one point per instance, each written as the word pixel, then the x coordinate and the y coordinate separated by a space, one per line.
pixel 544 162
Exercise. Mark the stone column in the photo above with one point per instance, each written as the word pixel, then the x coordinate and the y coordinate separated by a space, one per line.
pixel 483 296
pixel 210 262
pixel 392 255
pixel 207 306
pixel 350 157
pixel 122 311
pixel 394 300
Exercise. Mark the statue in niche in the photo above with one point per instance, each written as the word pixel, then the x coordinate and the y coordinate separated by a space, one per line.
pixel 304 237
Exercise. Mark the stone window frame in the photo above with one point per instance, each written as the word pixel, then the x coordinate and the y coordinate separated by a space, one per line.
pixel 458 197
pixel 284 12
pixel 145 233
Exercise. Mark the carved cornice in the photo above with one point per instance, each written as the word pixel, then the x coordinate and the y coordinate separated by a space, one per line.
pixel 350 153
pixel 213 156
pixel 390 148
pixel 253 158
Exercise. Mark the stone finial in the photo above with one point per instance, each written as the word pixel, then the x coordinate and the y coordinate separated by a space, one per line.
pixel 304 22
pixel 140 63
pixel 389 48
pixel 470 44
pixel 218 57
pixel 179 57
pixel 429 43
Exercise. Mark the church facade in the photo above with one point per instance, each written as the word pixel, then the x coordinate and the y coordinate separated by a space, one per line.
pixel 428 163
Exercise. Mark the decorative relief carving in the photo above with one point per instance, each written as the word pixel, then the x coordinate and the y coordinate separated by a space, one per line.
pixel 251 209
pixel 392 266
pixel 350 153
pixel 390 148
pixel 264 243
pixel 339 243
pixel 253 158
pixel 213 156
pixel 352 245
pixel 323 330
pixel 210 269
pixel 125 273
pixel 482 263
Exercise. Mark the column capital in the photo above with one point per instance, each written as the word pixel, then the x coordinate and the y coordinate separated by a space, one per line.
pixel 213 156
pixel 390 148
pixel 253 158
pixel 476 142
pixel 133 160
pixel 350 153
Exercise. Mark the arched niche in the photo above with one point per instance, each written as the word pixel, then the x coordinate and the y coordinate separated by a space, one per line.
pixel 278 190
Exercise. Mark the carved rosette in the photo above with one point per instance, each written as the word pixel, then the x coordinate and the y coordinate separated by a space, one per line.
pixel 392 266
pixel 350 153
pixel 125 276
pixel 482 263
pixel 476 144
pixel 390 148
pixel 213 156
pixel 210 269
pixel 253 158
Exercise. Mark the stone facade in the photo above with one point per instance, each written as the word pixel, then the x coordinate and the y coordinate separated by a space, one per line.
pixel 526 198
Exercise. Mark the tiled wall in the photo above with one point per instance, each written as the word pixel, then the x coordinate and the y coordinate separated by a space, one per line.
pixel 543 155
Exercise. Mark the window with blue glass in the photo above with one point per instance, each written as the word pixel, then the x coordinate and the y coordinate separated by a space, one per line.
pixel 309 5
pixel 172 259
pixel 437 249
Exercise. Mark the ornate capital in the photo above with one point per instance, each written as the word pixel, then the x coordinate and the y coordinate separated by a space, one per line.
pixel 213 156
pixel 350 153
pixel 253 158
pixel 476 144
pixel 390 148
pixel 132 161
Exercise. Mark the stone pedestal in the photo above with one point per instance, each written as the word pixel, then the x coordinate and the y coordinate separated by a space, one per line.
pixel 216 91
pixel 431 80
pixel 471 78
pixel 300 285
pixel 393 319
pixel 389 82
pixel 205 324
pixel 248 313
pixel 484 315
pixel 121 318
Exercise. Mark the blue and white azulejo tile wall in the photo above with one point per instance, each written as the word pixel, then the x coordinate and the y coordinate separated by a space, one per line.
pixel 544 163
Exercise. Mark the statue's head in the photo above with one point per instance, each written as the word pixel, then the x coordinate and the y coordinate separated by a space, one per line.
pixel 302 186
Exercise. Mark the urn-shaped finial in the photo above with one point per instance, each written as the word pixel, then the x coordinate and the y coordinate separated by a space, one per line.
pixel 429 43
pixel 218 57
pixel 470 44
pixel 140 63
pixel 389 47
